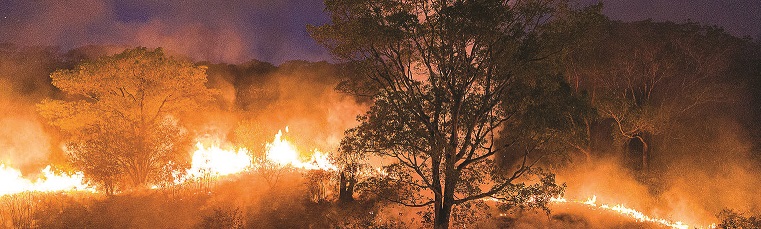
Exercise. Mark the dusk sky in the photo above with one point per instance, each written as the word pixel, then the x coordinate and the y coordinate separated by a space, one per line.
pixel 274 31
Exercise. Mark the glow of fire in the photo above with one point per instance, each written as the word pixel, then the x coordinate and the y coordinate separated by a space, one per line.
pixel 207 161
pixel 281 152
pixel 621 209
pixel 13 182
pixel 219 162
pixel 215 161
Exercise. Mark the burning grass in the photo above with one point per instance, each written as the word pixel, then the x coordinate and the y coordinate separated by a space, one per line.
pixel 248 200
pixel 226 187
pixel 34 209
pixel 47 181
pixel 244 200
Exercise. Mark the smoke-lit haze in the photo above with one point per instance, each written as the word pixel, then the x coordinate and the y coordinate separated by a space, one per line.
pixel 272 31
pixel 738 17
pixel 218 31
pixel 698 177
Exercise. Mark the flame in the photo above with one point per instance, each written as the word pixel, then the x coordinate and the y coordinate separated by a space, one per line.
pixel 281 152
pixel 215 162
pixel 618 208
pixel 13 182
pixel 319 160
pixel 208 161
pixel 623 210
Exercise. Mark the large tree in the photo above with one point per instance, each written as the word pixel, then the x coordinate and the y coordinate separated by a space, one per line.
pixel 122 115
pixel 457 86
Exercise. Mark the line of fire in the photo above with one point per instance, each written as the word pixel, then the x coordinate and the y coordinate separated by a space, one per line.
pixel 432 114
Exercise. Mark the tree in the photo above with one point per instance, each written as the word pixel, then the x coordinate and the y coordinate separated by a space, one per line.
pixel 122 115
pixel 352 162
pixel 644 77
pixel 732 219
pixel 449 80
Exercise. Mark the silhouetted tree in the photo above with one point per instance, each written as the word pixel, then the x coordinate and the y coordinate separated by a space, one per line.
pixel 452 78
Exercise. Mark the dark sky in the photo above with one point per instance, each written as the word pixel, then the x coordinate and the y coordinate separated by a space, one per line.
pixel 269 30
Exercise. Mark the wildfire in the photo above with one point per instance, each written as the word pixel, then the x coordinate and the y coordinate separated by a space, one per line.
pixel 13 182
pixel 208 161
pixel 215 161
pixel 283 153
pixel 212 160
pixel 621 209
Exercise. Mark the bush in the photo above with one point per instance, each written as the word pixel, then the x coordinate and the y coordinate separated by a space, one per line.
pixel 223 219
pixel 732 219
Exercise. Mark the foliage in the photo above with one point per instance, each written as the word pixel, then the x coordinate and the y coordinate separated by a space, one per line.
pixel 450 82
pixel 732 219
pixel 43 210
pixel 645 77
pixel 353 167
pixel 251 135
pixel 122 114
pixel 318 183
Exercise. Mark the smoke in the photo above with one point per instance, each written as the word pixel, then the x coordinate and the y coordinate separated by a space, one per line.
pixel 696 172
pixel 220 31
pixel 259 97
pixel 296 94
pixel 715 171
pixel 741 22
pixel 255 97
pixel 193 39
pixel 24 142
pixel 309 104
pixel 703 165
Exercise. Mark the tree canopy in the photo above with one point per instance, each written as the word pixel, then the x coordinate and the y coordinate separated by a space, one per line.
pixel 122 115
pixel 455 85
pixel 648 79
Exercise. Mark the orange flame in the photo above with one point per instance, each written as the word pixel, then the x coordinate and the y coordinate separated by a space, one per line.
pixel 13 182
pixel 283 153
pixel 215 162
pixel 621 209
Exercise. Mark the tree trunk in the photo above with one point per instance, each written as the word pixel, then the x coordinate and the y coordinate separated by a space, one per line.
pixel 588 149
pixel 346 188
pixel 443 211
pixel 645 152
pixel 108 185
pixel 138 175
pixel 442 215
